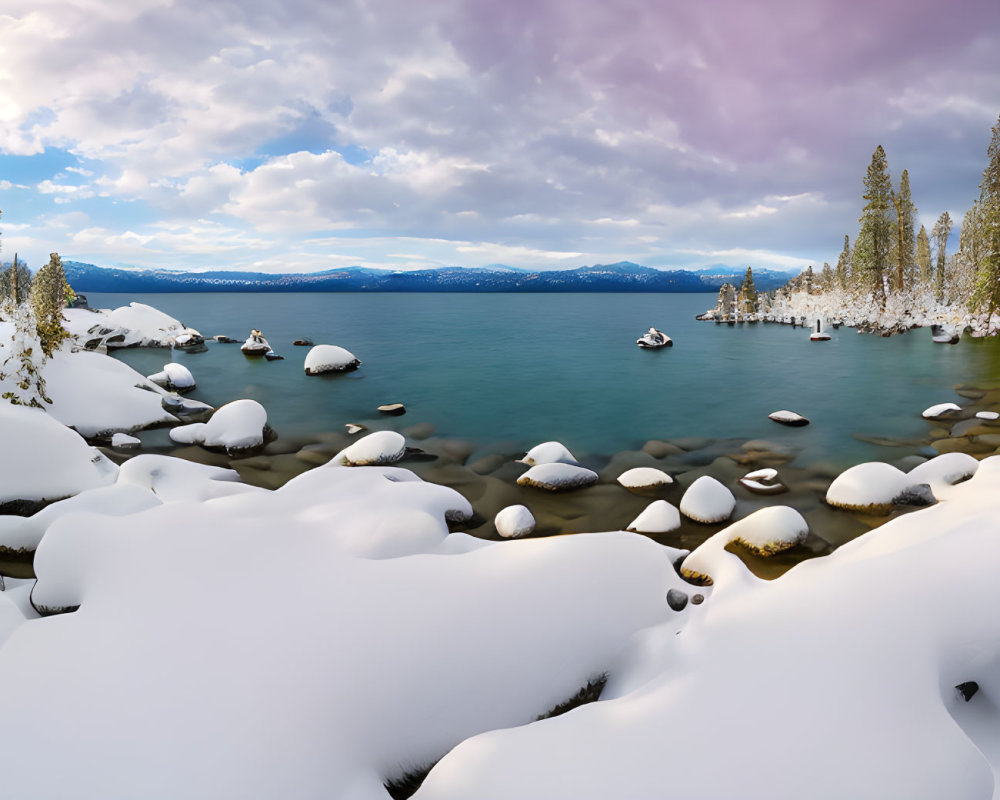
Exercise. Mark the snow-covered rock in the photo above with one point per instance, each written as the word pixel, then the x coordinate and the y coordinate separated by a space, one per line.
pixel 987 415
pixel 174 376
pixel 41 459
pixel 763 481
pixel 870 487
pixel 380 447
pixel 235 427
pixel 765 532
pixel 558 477
pixel 514 521
pixel 788 418
pixel 644 478
pixel 547 453
pixel 329 358
pixel 134 325
pixel 940 410
pixel 174 479
pixel 122 441
pixel 947 468
pixel 658 517
pixel 708 501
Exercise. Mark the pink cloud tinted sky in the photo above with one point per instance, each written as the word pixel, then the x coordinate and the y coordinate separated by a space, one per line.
pixel 294 135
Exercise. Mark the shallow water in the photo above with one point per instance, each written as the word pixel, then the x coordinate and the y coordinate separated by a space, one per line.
pixel 508 371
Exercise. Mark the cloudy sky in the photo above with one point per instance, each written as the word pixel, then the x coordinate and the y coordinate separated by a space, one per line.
pixel 298 135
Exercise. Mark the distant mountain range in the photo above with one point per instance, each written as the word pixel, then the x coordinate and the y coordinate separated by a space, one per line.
pixel 622 277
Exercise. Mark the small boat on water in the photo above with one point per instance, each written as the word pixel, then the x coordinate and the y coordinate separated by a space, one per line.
pixel 819 335
pixel 255 345
pixel 654 339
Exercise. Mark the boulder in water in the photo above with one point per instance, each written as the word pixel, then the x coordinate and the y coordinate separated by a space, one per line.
pixel 558 477
pixel 330 358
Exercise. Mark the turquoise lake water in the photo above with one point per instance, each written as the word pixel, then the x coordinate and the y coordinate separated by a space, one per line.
pixel 511 370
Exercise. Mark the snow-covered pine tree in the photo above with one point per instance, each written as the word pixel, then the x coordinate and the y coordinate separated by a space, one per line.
pixel 48 299
pixel 987 292
pixel 940 233
pixel 874 242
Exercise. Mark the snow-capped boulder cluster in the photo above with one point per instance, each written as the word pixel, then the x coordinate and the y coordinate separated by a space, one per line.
pixel 134 325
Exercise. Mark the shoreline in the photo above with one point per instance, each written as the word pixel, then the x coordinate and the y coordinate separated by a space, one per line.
pixel 487 480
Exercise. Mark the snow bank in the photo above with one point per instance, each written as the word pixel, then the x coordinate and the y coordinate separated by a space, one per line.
pixel 183 664
pixel 330 358
pixel 43 460
pixel 947 468
pixel 836 680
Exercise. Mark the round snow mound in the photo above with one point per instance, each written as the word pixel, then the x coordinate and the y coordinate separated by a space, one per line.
pixel 174 376
pixel 871 487
pixel 707 500
pixel 644 478
pixel 381 447
pixel 558 477
pixel 547 453
pixel 658 517
pixel 235 427
pixel 770 530
pixel 330 358
pixel 514 521
pixel 939 410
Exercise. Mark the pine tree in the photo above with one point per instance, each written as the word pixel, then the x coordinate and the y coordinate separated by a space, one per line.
pixel 987 292
pixel 48 299
pixel 15 282
pixel 874 242
pixel 940 233
pixel 904 250
pixel 924 256
pixel 844 263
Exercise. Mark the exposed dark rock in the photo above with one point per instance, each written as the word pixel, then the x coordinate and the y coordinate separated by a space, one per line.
pixel 967 690
pixel 677 599
pixel 302 343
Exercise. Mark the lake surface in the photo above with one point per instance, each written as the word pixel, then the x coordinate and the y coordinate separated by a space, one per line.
pixel 508 371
